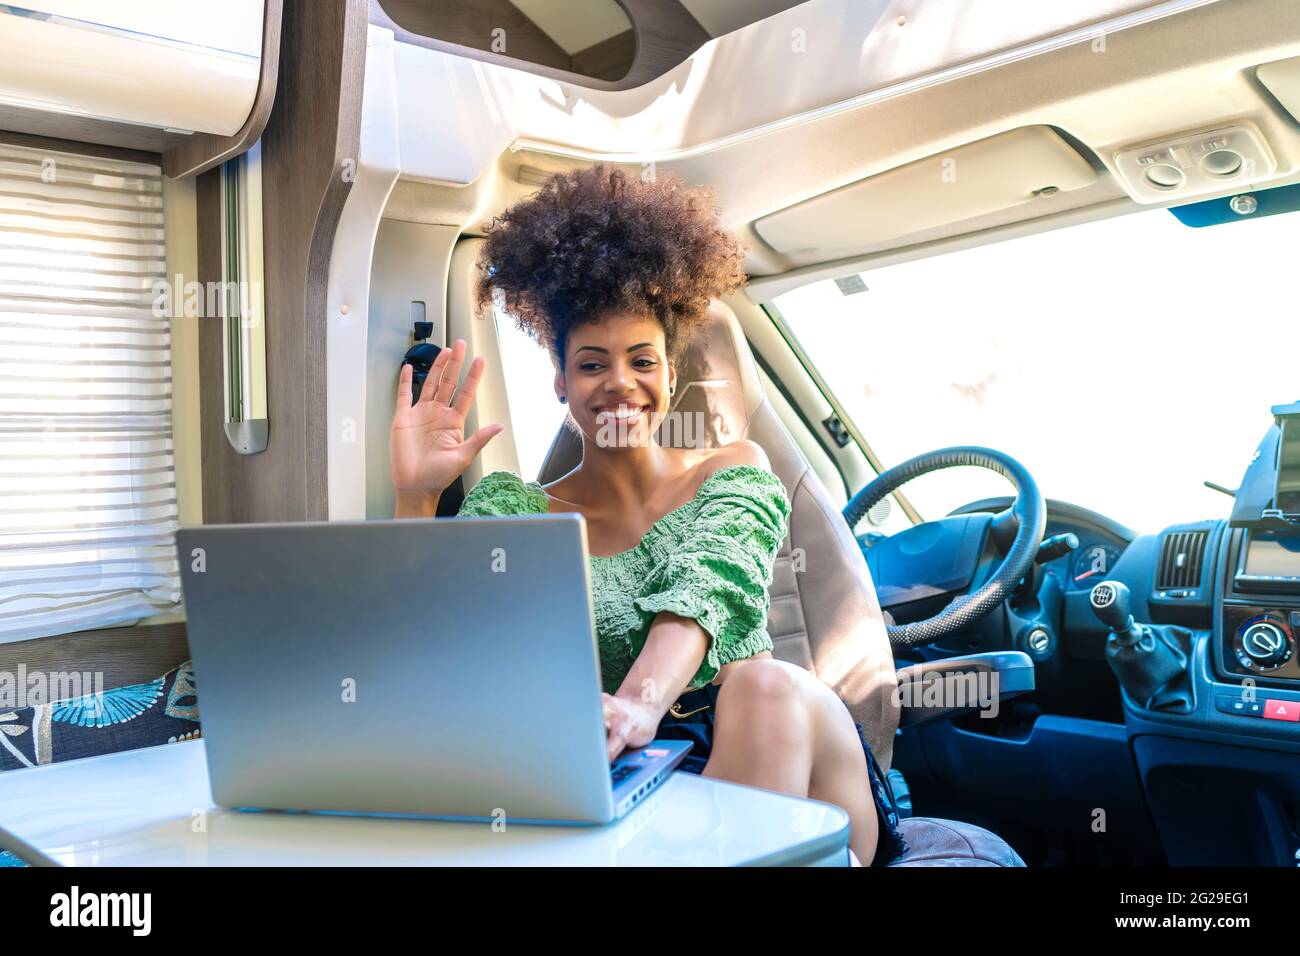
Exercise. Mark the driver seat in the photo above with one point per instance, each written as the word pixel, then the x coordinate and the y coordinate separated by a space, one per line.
pixel 826 616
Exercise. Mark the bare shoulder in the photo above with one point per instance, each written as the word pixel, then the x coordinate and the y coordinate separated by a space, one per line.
pixel 742 452
pixel 563 490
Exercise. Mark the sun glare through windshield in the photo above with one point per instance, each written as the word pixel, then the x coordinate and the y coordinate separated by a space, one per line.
pixel 1123 362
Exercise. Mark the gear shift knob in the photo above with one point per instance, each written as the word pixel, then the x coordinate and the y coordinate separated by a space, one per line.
pixel 1111 601
pixel 1145 659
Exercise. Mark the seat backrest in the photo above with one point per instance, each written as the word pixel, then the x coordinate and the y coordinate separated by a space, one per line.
pixel 824 612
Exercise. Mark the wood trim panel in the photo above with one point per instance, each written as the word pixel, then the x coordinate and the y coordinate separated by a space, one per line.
pixel 84 149
pixel 666 35
pixel 310 144
pixel 200 152
pixel 214 450
pixel 472 25
pixel 608 59
pixel 124 655
pixel 70 127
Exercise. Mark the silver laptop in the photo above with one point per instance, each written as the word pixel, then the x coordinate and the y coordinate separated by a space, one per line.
pixel 440 668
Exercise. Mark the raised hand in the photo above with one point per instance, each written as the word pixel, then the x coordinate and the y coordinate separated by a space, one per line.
pixel 427 447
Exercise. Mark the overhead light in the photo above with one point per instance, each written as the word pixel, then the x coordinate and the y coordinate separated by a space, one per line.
pixel 1222 162
pixel 1164 176
pixel 1196 163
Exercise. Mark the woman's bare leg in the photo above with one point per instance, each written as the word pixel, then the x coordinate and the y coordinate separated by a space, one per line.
pixel 779 728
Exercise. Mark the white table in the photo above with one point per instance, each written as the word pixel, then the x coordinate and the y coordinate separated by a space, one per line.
pixel 153 807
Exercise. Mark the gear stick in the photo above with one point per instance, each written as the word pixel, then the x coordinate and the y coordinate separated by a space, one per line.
pixel 1111 602
pixel 1139 655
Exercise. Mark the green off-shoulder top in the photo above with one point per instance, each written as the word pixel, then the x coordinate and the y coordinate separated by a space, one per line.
pixel 709 560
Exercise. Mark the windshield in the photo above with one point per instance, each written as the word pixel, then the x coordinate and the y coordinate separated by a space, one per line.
pixel 1123 362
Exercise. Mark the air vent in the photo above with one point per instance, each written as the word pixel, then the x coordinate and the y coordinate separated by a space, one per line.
pixel 532 176
pixel 1181 559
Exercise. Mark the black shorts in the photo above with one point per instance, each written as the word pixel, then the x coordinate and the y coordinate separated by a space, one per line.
pixel 697 709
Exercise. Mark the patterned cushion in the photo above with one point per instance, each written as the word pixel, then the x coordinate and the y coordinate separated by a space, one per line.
pixel 160 711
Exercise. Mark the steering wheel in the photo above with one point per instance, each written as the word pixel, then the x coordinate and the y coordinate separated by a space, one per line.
pixel 1027 514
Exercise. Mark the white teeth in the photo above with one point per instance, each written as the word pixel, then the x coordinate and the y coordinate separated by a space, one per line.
pixel 623 413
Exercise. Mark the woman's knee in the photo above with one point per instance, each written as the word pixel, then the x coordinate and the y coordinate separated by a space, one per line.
pixel 764 683
pixel 768 691
pixel 767 697
pixel 762 721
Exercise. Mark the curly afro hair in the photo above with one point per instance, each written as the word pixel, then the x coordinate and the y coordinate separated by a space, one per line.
pixel 599 240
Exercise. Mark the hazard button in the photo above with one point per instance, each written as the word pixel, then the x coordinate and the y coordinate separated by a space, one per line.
pixel 1282 710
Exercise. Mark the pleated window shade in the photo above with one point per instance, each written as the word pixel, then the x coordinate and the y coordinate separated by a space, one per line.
pixel 87 489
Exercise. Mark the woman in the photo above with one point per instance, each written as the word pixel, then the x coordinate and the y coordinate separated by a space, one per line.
pixel 612 274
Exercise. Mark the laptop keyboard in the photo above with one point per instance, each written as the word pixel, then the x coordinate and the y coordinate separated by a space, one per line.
pixel 620 773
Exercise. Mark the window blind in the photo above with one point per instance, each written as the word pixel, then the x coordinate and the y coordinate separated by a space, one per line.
pixel 87 489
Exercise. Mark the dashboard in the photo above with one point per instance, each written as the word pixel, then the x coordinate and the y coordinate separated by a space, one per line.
pixel 1229 738
pixel 1222 594
pixel 1214 748
pixel 1233 592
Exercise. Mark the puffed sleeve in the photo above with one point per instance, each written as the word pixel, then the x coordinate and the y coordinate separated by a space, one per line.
pixel 720 573
pixel 501 493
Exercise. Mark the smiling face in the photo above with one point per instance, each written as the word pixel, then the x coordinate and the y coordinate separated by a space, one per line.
pixel 617 379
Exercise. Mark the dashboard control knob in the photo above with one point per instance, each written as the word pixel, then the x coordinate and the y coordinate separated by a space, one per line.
pixel 1264 642
pixel 1267 643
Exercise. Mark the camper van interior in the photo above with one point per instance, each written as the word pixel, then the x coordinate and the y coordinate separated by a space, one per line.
pixel 1014 339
